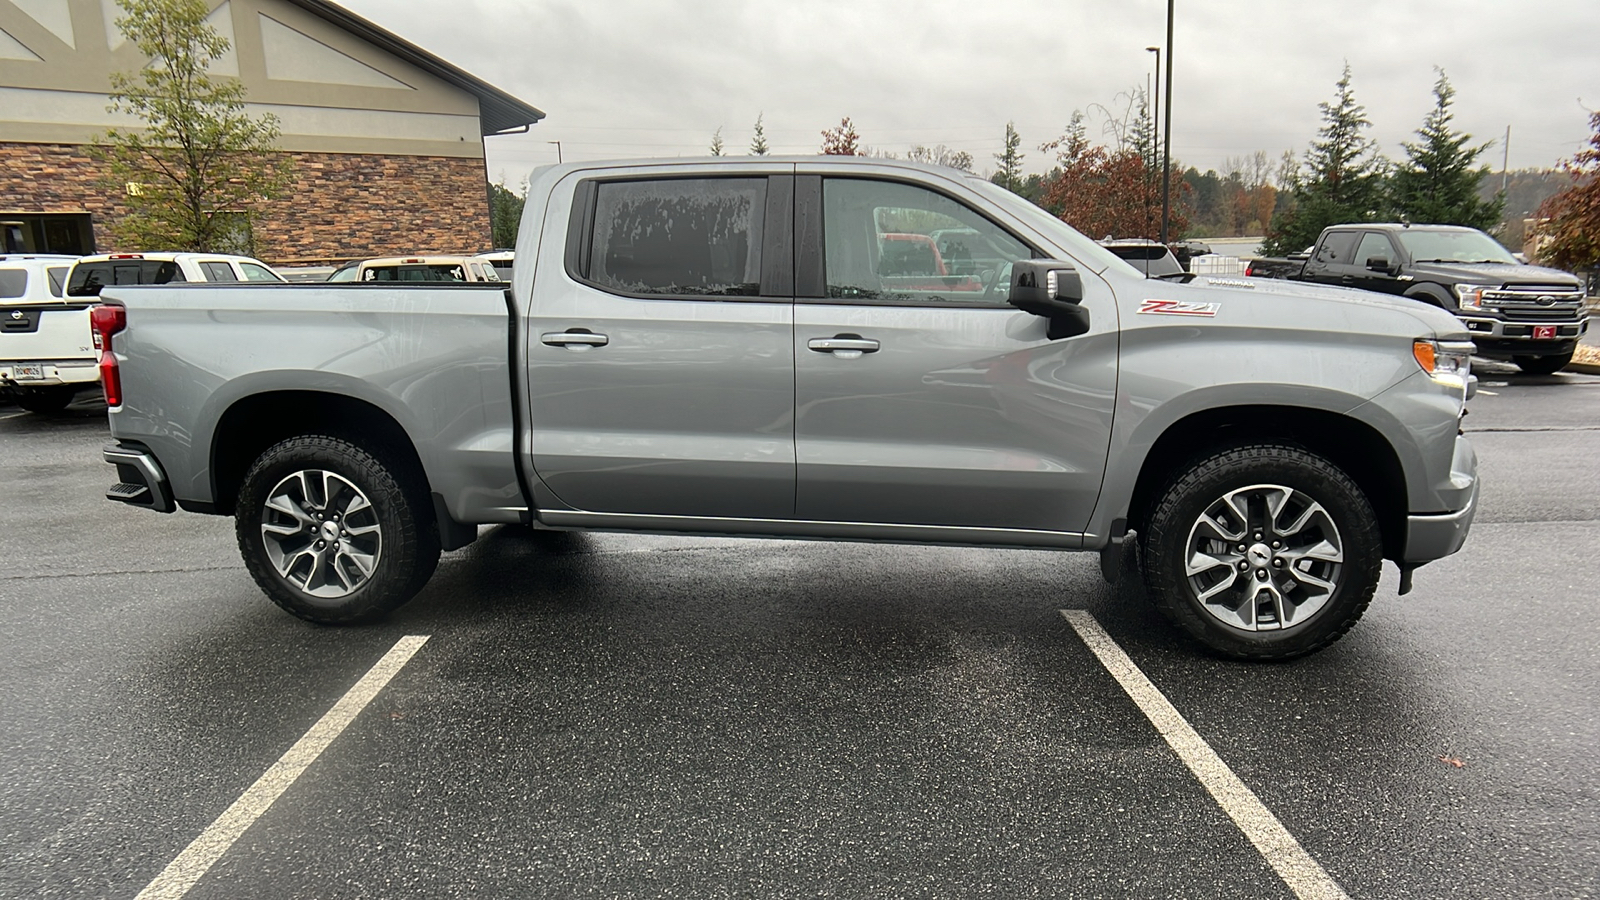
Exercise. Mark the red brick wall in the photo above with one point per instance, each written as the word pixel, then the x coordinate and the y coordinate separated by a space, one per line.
pixel 339 205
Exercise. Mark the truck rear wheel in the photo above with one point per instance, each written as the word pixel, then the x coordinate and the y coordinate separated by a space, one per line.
pixel 333 533
pixel 1263 552
pixel 1543 365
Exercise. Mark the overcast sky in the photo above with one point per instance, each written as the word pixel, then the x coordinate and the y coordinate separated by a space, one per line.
pixel 629 78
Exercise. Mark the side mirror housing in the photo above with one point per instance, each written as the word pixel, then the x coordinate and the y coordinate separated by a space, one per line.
pixel 1051 289
pixel 1381 264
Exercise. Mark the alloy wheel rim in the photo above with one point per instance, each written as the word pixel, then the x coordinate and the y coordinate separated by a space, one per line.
pixel 321 533
pixel 1263 558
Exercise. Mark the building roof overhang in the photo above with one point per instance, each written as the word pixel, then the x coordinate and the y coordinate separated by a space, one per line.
pixel 498 111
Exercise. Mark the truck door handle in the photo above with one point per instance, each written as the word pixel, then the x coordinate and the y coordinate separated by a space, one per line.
pixel 1347 279
pixel 844 346
pixel 575 336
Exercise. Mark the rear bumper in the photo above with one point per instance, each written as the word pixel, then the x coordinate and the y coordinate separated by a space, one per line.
pixel 1435 536
pixel 52 373
pixel 140 479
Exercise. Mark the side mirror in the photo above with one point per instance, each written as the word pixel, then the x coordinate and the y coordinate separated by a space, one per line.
pixel 1381 264
pixel 1050 289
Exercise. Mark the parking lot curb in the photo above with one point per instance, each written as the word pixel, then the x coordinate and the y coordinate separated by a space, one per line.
pixel 1582 368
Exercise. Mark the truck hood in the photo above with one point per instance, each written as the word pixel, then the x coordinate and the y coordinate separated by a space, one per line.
pixel 1496 274
pixel 1212 288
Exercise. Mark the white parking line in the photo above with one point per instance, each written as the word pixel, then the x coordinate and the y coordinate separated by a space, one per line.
pixel 182 873
pixel 1292 863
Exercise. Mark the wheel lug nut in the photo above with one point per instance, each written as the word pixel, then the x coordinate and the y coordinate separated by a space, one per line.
pixel 1278 562
pixel 321 544
pixel 1258 535
pixel 1241 548
pixel 1244 566
pixel 1261 574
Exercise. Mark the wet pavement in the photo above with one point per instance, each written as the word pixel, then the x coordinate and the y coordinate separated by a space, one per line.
pixel 625 716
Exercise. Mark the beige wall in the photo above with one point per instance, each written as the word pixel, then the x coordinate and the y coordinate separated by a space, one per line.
pixel 332 91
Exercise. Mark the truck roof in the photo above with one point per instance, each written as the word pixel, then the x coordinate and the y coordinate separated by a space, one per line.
pixel 1397 226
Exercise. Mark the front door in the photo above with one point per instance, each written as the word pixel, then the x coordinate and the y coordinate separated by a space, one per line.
pixel 921 396
pixel 660 356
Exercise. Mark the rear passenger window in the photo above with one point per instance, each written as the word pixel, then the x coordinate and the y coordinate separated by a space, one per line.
pixel 13 283
pixel 698 237
pixel 58 279
pixel 253 272
pixel 218 271
pixel 1337 248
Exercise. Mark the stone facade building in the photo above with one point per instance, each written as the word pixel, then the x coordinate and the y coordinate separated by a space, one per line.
pixel 387 140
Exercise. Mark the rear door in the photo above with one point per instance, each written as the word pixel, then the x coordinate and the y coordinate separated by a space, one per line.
pixel 927 399
pixel 659 347
pixel 1333 260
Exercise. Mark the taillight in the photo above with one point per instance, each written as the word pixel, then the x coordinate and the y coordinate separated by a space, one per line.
pixel 107 320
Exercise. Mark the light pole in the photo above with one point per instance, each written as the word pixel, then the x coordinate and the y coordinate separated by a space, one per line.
pixel 1155 121
pixel 1166 152
pixel 558 150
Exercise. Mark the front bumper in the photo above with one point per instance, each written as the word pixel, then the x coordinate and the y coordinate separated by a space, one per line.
pixel 1437 535
pixel 140 478
pixel 1496 335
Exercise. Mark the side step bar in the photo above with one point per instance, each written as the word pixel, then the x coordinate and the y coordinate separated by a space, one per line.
pixel 140 481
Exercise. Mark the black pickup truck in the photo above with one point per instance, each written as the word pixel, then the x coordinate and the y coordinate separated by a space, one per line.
pixel 1531 315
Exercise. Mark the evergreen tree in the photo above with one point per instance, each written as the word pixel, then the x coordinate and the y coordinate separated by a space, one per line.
pixel 200 164
pixel 1438 184
pixel 758 144
pixel 716 143
pixel 505 213
pixel 1010 159
pixel 1342 179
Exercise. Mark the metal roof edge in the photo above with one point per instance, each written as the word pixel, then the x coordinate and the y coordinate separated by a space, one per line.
pixel 498 110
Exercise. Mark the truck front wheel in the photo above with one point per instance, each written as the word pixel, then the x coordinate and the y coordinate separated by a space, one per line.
pixel 1263 552
pixel 332 533
pixel 1543 365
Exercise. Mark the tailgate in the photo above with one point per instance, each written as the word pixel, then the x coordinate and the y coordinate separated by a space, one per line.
pixel 46 332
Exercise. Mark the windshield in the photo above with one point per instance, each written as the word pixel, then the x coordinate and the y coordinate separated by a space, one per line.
pixel 1454 246
pixel 1084 250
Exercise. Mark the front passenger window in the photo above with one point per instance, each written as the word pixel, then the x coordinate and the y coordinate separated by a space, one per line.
pixel 897 243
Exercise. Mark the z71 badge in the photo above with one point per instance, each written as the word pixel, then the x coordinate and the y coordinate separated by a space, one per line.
pixel 1179 308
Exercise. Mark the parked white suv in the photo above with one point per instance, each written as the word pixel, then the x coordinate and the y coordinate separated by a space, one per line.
pixel 47 351
pixel 33 277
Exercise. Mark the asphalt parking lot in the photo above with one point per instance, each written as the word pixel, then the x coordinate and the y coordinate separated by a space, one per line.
pixel 620 716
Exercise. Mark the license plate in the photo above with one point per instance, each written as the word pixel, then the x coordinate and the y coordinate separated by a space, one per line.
pixel 27 373
pixel 1544 332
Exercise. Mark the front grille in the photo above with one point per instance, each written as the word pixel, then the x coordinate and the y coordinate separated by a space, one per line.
pixel 1560 312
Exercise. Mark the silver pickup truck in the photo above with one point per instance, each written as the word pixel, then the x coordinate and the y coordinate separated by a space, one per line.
pixel 833 348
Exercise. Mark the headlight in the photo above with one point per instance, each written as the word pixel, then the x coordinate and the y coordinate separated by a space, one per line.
pixel 1470 296
pixel 1448 363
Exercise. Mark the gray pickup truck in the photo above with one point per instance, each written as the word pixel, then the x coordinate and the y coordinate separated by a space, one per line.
pixel 768 347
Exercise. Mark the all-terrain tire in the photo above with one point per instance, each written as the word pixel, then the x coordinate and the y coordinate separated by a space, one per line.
pixel 1276 576
pixel 314 511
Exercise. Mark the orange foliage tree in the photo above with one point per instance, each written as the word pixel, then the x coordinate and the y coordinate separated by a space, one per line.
pixel 1573 226
pixel 1108 193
